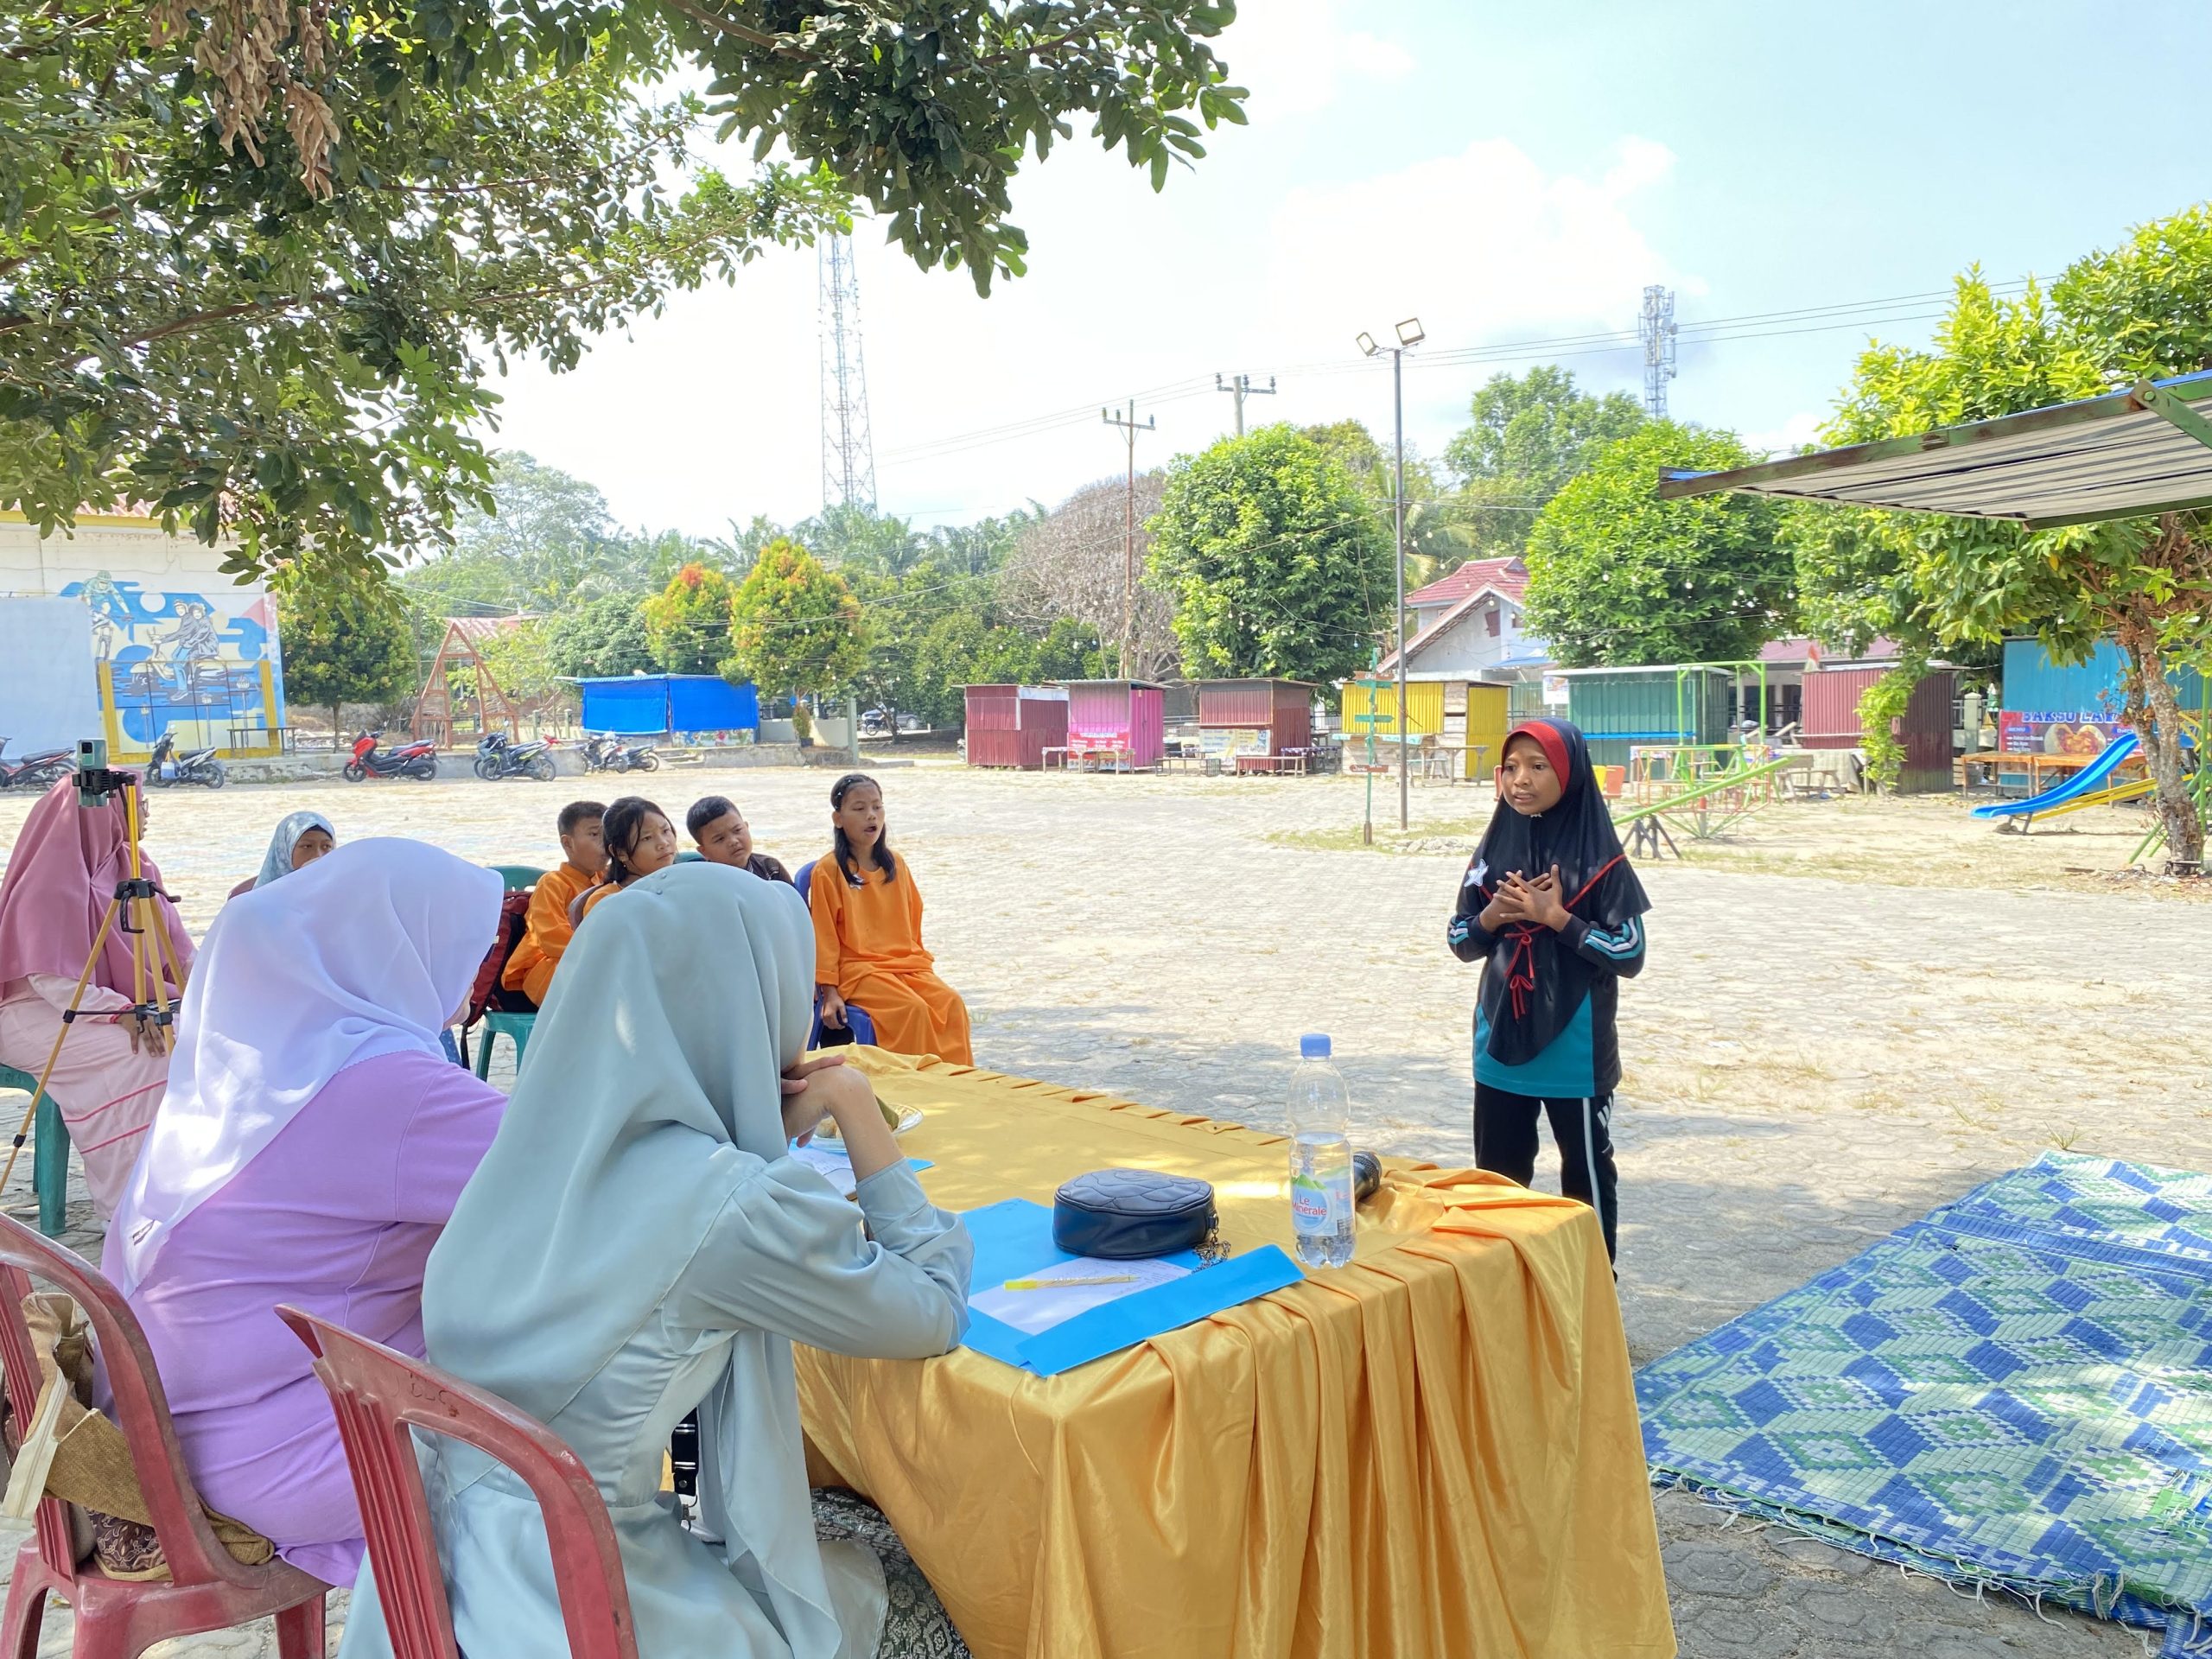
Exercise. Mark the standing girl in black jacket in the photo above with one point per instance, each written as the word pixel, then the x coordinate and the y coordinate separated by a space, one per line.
pixel 1553 910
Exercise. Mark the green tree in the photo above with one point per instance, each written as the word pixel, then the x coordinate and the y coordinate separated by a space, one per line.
pixel 521 659
pixel 1618 576
pixel 1527 438
pixel 962 649
pixel 1438 532
pixel 688 622
pixel 543 535
pixel 737 550
pixel 853 537
pixel 257 259
pixel 1278 564
pixel 344 643
pixel 602 637
pixel 795 625
pixel 982 548
pixel 1070 650
pixel 2143 309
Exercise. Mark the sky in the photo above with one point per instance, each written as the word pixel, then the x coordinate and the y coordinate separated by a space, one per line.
pixel 1507 174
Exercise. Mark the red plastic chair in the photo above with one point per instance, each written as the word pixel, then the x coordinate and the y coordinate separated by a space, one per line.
pixel 208 1590
pixel 378 1394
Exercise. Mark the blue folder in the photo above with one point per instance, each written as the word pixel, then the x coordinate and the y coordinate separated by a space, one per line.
pixel 1014 1238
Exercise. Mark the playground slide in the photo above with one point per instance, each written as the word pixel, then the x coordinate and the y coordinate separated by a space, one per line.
pixel 2091 778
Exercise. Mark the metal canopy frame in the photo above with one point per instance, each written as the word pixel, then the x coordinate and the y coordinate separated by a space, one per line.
pixel 2127 454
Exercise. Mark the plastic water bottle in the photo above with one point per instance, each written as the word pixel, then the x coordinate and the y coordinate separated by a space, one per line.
pixel 1322 1216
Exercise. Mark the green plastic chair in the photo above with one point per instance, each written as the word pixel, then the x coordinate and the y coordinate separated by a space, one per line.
pixel 515 1027
pixel 49 1156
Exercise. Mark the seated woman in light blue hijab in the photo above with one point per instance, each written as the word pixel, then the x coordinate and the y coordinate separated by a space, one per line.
pixel 301 838
pixel 638 1244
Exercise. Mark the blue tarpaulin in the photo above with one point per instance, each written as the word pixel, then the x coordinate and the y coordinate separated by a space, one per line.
pixel 642 704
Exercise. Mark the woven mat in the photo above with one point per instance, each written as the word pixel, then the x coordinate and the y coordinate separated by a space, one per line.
pixel 2014 1391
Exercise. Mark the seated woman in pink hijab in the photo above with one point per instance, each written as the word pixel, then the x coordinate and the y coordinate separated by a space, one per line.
pixel 309 1149
pixel 63 871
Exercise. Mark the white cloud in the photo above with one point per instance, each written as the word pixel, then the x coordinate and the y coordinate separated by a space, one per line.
pixel 1297 56
pixel 1793 434
pixel 1483 245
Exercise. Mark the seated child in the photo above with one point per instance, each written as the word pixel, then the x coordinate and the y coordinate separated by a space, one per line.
pixel 867 936
pixel 545 935
pixel 724 837
pixel 639 841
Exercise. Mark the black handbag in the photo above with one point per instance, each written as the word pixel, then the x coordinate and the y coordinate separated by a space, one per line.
pixel 1123 1214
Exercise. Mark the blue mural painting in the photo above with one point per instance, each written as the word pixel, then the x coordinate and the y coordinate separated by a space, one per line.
pixel 183 660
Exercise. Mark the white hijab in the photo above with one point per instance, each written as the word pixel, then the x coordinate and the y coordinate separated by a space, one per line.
pixel 364 952
pixel 658 1051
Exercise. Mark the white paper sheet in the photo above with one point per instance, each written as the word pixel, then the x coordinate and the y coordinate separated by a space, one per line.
pixel 1033 1311
pixel 836 1164
pixel 833 1163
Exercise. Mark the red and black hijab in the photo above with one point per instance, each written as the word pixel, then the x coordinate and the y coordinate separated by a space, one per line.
pixel 1538 981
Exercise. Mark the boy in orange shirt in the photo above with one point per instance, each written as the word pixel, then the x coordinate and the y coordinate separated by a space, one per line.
pixel 546 935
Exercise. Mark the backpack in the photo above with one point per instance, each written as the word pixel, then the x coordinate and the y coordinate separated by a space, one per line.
pixel 486 994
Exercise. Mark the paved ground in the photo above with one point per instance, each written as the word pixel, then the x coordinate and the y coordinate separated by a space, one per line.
pixel 1850 1015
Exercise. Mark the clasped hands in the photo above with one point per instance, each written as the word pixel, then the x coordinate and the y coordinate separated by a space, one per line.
pixel 1521 902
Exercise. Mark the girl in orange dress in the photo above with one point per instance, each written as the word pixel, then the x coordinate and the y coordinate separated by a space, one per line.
pixel 867 936
pixel 639 841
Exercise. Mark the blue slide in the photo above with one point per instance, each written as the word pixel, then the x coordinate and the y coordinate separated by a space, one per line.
pixel 2086 781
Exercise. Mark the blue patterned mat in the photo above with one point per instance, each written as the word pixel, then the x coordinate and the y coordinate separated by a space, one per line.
pixel 2016 1390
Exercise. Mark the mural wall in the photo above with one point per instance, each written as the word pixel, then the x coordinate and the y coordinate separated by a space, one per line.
pixel 177 646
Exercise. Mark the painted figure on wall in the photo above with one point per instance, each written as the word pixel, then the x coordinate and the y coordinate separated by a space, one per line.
pixel 186 660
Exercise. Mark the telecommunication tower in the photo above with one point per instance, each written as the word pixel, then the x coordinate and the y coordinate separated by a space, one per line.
pixel 848 451
pixel 1655 328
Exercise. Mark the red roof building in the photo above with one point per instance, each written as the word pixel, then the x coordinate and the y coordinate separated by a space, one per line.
pixel 1507 576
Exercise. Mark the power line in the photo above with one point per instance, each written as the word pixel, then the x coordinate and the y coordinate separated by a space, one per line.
pixel 1756 324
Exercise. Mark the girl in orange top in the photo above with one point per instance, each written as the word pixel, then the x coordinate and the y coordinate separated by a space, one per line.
pixel 640 840
pixel 867 936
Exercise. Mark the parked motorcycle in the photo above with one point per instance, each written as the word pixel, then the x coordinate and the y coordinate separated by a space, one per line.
pixel 166 766
pixel 496 757
pixel 418 759
pixel 37 771
pixel 611 754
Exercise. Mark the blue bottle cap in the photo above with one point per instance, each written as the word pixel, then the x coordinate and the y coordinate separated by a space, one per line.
pixel 1313 1046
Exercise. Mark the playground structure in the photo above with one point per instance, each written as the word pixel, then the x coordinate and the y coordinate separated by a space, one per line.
pixel 2098 784
pixel 1703 790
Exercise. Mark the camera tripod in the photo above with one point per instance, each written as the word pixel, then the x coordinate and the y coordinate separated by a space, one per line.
pixel 154 966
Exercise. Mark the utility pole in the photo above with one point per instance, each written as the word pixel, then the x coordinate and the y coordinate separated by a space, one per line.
pixel 1241 387
pixel 1129 425
pixel 1410 334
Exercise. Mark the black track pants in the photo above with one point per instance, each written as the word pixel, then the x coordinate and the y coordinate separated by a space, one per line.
pixel 1506 1141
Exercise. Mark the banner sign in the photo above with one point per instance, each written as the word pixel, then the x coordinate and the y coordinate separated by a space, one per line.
pixel 2027 731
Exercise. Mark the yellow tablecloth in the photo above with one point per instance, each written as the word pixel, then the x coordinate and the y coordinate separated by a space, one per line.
pixel 1431 1453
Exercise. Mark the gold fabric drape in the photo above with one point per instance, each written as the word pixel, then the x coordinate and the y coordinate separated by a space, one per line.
pixel 1431 1453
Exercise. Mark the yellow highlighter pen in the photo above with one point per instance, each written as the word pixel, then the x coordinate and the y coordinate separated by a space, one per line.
pixel 1062 1284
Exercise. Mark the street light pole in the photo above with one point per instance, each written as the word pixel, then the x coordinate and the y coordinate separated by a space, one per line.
pixel 1398 399
pixel 1410 334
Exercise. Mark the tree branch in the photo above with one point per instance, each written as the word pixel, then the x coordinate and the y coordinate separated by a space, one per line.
pixel 721 25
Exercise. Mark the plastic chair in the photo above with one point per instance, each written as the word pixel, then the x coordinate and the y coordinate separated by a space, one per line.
pixel 377 1396
pixel 515 1027
pixel 519 876
pixel 49 1156
pixel 863 1029
pixel 208 1589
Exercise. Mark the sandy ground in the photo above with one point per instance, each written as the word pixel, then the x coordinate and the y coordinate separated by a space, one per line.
pixel 1853 1011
